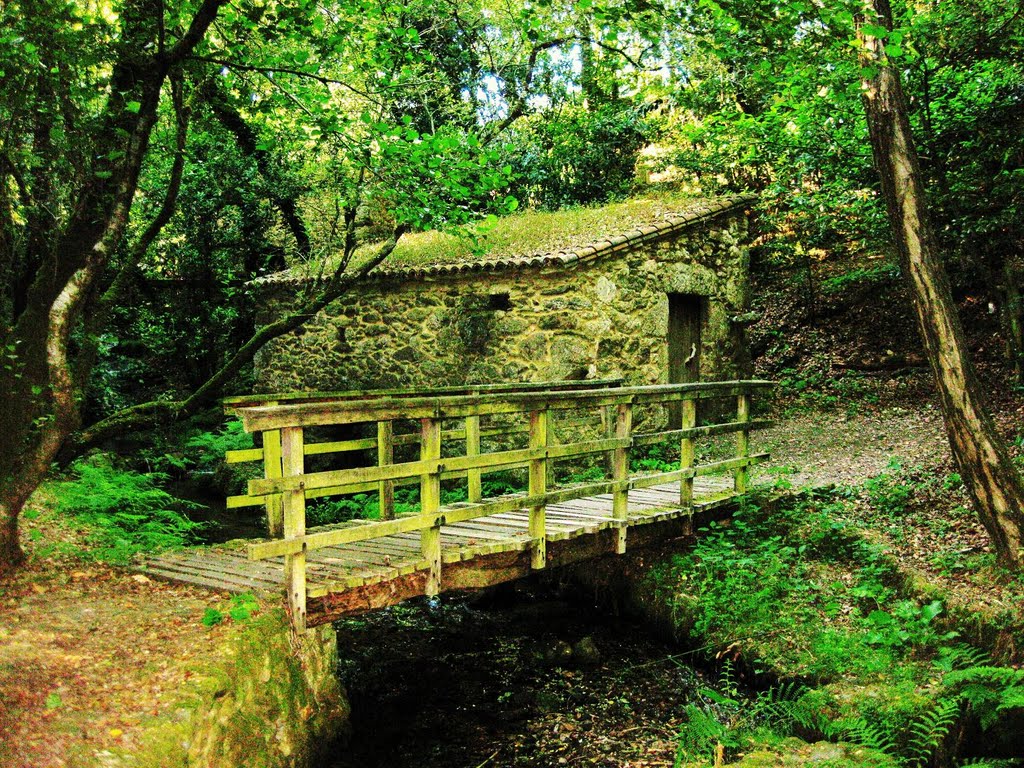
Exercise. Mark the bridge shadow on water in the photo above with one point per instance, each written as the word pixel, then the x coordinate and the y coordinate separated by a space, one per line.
pixel 521 675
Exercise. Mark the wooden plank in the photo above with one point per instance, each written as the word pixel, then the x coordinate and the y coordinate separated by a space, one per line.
pixel 233 582
pixel 652 438
pixel 341 478
pixel 701 469
pixel 242 456
pixel 474 492
pixel 272 470
pixel 242 401
pixel 686 453
pixel 293 465
pixel 386 457
pixel 262 577
pixel 269 575
pixel 260 418
pixel 742 472
pixel 538 480
pixel 620 471
pixel 430 503
pixel 218 583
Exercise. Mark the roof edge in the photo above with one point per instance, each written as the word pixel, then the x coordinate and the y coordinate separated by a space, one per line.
pixel 686 219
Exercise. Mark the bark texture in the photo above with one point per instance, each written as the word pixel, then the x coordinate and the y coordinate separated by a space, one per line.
pixel 980 454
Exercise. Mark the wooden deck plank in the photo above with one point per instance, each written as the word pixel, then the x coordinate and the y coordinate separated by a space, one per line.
pixel 391 559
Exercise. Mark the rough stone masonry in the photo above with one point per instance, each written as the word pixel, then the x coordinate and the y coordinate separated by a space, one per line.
pixel 599 311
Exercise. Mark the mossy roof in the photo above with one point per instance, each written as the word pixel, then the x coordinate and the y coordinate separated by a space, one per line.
pixel 537 239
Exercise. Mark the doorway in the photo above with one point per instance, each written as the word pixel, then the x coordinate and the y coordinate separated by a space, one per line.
pixel 685 319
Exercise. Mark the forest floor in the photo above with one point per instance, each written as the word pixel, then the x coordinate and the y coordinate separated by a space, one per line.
pixel 89 652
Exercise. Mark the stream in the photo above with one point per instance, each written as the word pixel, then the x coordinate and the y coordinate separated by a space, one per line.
pixel 522 675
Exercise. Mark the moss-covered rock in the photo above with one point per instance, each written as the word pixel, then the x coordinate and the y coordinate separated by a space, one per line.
pixel 268 699
pixel 824 754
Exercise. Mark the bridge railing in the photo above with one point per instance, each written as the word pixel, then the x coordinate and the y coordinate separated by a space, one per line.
pixel 386 439
pixel 287 485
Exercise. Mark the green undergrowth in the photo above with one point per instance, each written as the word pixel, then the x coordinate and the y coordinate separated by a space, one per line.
pixel 793 592
pixel 122 513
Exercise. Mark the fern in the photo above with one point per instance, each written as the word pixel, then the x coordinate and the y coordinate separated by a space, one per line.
pixel 929 730
pixel 988 762
pixel 989 690
pixel 699 735
pixel 860 731
pixel 779 708
pixel 126 512
pixel 961 656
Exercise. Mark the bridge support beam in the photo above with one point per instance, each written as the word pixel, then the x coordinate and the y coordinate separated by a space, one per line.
pixel 430 504
pixel 620 474
pixel 539 422
pixel 686 454
pixel 293 463
pixel 741 480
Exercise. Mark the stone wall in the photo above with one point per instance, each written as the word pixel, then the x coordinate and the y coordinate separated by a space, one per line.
pixel 269 699
pixel 606 316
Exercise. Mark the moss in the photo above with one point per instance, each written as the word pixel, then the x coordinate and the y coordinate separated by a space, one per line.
pixel 268 699
pixel 533 232
pixel 794 752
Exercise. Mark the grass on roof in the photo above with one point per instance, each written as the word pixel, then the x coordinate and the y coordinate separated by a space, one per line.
pixel 534 232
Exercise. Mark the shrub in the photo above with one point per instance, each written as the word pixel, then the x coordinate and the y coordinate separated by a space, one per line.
pixel 126 512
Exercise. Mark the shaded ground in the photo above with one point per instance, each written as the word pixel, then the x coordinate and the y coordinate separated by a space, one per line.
pixel 894 464
pixel 88 653
pixel 813 448
pixel 497 683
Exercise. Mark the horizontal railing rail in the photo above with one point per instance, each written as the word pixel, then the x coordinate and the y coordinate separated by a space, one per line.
pixel 470 433
pixel 286 485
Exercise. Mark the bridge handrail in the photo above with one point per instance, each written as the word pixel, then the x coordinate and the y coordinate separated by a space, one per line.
pixel 286 486
pixel 231 404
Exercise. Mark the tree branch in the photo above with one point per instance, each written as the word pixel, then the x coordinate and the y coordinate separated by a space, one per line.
pixel 160 412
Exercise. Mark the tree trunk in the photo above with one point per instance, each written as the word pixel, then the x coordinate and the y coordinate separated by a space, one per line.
pixel 39 406
pixel 991 478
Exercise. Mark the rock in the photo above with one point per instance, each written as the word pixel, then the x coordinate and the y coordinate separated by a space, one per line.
pixel 559 654
pixel 586 652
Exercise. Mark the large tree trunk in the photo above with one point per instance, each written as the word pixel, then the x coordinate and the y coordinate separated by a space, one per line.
pixel 991 478
pixel 39 380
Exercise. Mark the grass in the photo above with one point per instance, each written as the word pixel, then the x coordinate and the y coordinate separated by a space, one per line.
pixel 533 232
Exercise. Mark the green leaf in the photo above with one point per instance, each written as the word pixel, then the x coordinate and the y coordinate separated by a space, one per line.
pixel 133 106
pixel 874 30
pixel 931 610
pixel 54 701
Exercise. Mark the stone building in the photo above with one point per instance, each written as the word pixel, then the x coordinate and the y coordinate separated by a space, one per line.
pixel 662 303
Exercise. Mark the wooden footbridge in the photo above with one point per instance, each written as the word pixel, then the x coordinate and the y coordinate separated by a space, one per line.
pixel 458 437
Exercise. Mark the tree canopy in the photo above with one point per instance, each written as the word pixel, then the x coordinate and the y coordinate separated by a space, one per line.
pixel 155 159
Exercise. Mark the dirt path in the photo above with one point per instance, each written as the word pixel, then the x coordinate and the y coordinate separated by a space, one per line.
pixel 815 448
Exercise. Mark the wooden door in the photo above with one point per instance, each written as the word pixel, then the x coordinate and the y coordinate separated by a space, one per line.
pixel 685 318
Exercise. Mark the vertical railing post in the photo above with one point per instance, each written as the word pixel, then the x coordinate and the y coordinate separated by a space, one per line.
pixel 608 419
pixel 538 486
pixel 686 452
pixel 430 504
pixel 620 474
pixel 272 471
pixel 385 456
pixel 550 439
pixel 294 524
pixel 475 488
pixel 741 477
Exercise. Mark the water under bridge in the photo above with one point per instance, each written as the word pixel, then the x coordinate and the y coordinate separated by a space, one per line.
pixel 570 443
